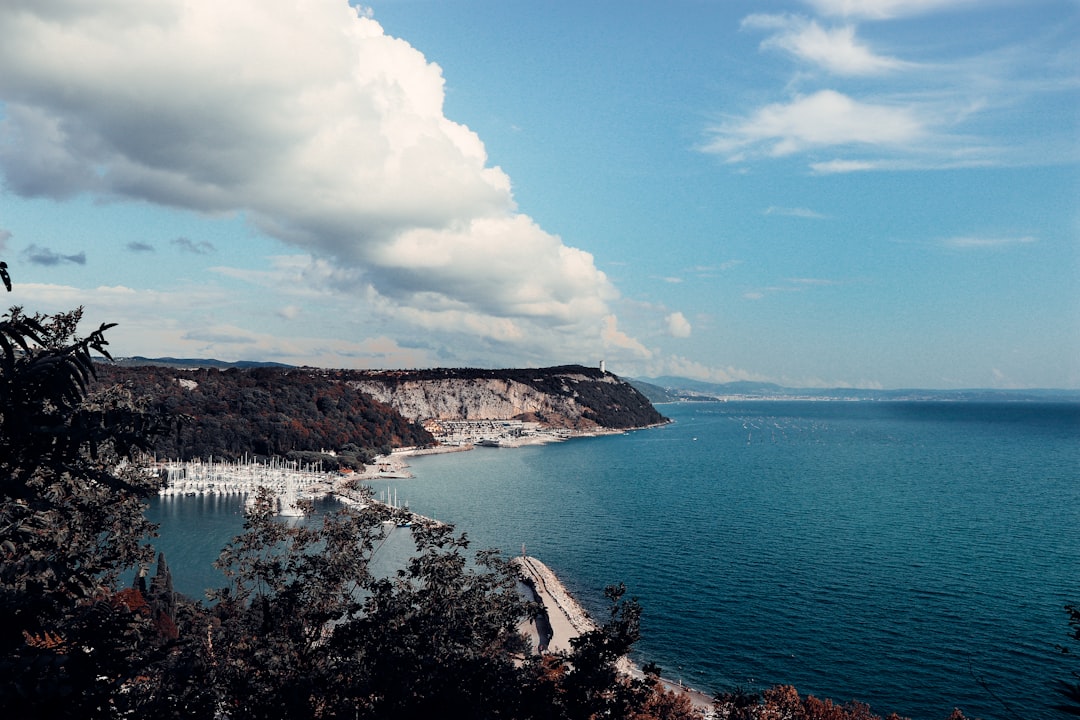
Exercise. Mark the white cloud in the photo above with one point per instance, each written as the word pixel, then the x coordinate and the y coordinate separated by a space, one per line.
pixel 824 119
pixel 308 119
pixel 798 212
pixel 147 325
pixel 830 167
pixel 944 109
pixel 812 282
pixel 709 270
pixel 683 367
pixel 221 335
pixel 793 285
pixel 835 49
pixel 678 326
pixel 617 339
pixel 884 9
pixel 974 241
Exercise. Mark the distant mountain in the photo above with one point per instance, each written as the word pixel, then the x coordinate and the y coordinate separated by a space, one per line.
pixel 139 361
pixel 655 393
pixel 678 389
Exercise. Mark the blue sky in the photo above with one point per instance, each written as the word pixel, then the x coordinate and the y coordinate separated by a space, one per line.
pixel 866 193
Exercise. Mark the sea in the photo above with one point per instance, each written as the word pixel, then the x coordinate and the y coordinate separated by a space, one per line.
pixel 913 556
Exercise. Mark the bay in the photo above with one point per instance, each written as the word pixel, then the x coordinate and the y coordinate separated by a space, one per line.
pixel 914 556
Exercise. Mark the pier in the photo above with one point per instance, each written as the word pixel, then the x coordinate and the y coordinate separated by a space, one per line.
pixel 566 617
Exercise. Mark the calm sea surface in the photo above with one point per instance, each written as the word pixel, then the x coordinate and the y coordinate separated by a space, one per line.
pixel 915 556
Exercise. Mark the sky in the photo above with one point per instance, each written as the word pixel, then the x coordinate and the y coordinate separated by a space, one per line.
pixel 818 193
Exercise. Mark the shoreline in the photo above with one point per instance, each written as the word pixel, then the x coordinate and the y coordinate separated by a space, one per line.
pixel 565 617
pixel 226 477
pixel 566 620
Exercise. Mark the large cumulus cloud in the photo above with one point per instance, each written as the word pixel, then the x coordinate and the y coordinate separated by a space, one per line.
pixel 310 120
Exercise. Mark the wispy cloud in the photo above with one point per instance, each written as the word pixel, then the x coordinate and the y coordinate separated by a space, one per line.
pixel 47 256
pixel 884 9
pixel 221 335
pixel 938 108
pixel 836 50
pixel 684 367
pixel 830 167
pixel 709 271
pixel 139 246
pixel 792 285
pixel 5 235
pixel 975 242
pixel 797 212
pixel 202 247
pixel 824 119
pixel 150 321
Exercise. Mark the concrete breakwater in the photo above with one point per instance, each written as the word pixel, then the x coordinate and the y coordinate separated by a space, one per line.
pixel 566 619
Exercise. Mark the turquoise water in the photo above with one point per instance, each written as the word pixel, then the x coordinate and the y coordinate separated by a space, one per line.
pixel 915 556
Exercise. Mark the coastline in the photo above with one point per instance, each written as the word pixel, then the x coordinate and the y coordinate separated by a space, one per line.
pixel 566 620
pixel 286 478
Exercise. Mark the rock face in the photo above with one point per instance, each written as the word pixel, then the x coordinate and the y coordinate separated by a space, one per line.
pixel 572 397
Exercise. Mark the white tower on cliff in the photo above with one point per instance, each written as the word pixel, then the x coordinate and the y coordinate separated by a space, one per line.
pixel 602 370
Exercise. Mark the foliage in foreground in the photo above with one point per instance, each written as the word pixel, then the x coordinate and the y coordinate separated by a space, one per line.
pixel 70 522
pixel 783 702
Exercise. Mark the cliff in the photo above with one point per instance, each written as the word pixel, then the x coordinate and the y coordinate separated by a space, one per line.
pixel 293 411
pixel 572 396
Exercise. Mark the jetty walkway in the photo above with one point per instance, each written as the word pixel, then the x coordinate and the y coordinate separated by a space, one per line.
pixel 569 620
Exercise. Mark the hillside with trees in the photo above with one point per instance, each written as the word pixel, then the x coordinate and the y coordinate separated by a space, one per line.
pixel 263 411
pixel 305 412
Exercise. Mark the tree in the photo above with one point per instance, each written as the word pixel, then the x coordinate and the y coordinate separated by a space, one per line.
pixel 441 634
pixel 71 520
pixel 304 629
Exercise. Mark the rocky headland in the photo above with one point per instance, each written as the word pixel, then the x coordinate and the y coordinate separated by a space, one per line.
pixel 571 397
pixel 353 415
